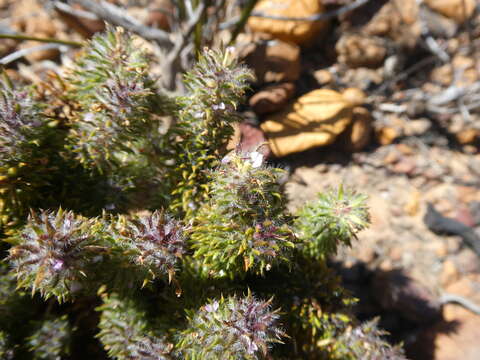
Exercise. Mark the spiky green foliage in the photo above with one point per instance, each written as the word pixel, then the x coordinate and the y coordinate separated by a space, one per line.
pixel 154 241
pixel 333 218
pixel 120 102
pixel 16 311
pixel 51 341
pixel 168 284
pixel 21 125
pixel 243 227
pixel 231 328
pixel 126 334
pixel 216 85
pixel 6 353
pixel 53 253
pixel 23 133
pixel 7 290
pixel 314 305
pixel 365 342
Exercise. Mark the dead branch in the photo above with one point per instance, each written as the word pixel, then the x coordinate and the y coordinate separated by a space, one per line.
pixel 119 17
pixel 172 63
pixel 16 36
pixel 23 52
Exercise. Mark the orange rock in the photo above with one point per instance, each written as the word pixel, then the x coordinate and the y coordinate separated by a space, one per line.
pixel 442 74
pixel 386 135
pixel 449 273
pixel 299 32
pixel 467 136
pixel 271 60
pixel 398 20
pixel 458 10
pixel 282 62
pixel 323 77
pixel 454 338
pixel 272 98
pixel 30 17
pixel 413 204
pixel 358 133
pixel 314 119
pixel 357 50
pixel 7 46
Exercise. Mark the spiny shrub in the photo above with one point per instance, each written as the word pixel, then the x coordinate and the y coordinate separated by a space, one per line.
pixel 51 340
pixel 53 253
pixel 185 251
pixel 243 226
pixel 334 218
pixel 231 328
pixel 125 333
pixel 155 241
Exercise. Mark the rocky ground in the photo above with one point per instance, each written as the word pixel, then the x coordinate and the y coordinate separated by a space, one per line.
pixel 400 269
pixel 383 98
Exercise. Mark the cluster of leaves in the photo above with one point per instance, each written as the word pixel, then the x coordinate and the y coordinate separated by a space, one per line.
pixel 365 342
pixel 215 84
pixel 52 339
pixel 333 219
pixel 189 282
pixel 59 254
pixel 126 333
pixel 232 328
pixel 243 226
pixel 120 105
pixel 24 132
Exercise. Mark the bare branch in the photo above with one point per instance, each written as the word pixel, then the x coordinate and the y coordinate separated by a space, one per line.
pixel 23 52
pixel 173 64
pixel 119 17
pixel 74 12
pixel 45 40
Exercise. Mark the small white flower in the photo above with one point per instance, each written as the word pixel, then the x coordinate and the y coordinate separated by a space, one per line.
pixel 226 159
pixel 89 117
pixel 198 115
pixel 212 307
pixel 58 265
pixel 256 158
pixel 220 106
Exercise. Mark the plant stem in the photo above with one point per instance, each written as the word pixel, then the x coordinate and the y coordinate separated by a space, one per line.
pixel 45 40
pixel 247 10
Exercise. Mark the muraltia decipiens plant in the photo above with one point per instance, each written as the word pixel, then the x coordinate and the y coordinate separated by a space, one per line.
pixel 169 248
pixel 51 340
pixel 333 219
pixel 24 133
pixel 216 84
pixel 242 228
pixel 232 328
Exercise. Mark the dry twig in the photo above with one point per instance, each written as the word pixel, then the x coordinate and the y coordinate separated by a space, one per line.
pixel 119 17
pixel 23 52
